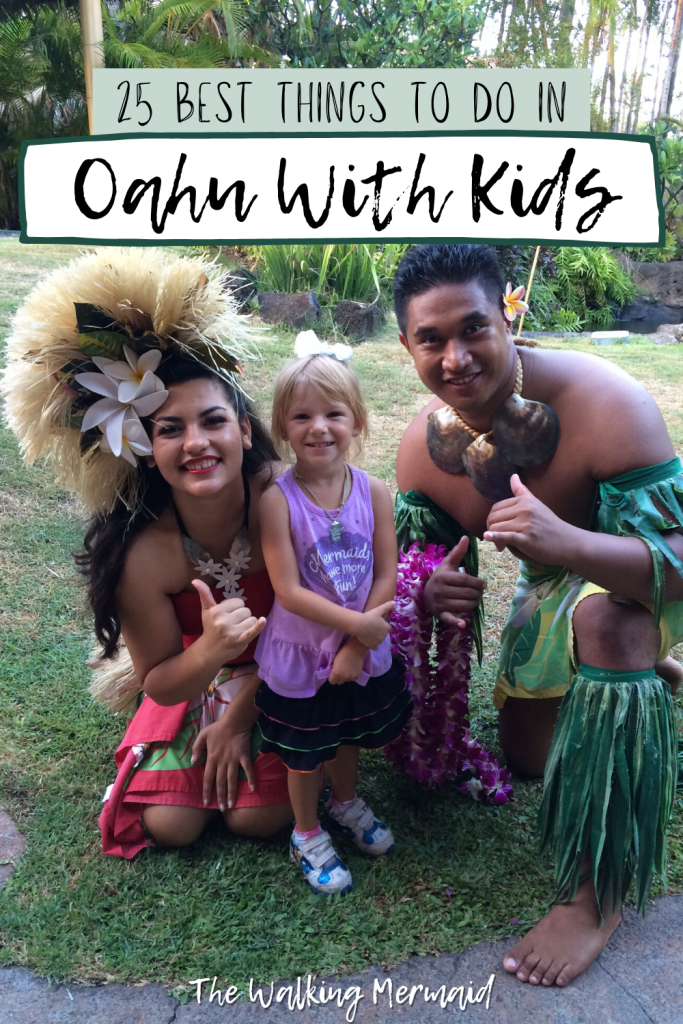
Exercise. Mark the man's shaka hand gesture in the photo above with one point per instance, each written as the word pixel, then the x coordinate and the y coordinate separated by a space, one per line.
pixel 529 529
pixel 450 593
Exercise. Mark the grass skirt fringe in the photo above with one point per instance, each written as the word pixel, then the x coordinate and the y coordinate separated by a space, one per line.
pixel 609 784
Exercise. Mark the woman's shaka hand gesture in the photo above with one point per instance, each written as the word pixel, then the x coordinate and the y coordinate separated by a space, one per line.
pixel 228 626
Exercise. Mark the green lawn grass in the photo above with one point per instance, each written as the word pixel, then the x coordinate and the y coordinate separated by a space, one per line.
pixel 461 872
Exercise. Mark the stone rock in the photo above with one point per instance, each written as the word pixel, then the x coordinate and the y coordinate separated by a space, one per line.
pixel 664 281
pixel 647 307
pixel 664 339
pixel 12 845
pixel 358 319
pixel 242 284
pixel 298 310
pixel 675 329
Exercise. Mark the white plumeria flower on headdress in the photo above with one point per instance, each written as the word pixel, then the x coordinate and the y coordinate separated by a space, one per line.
pixel 130 390
pixel 308 343
pixel 132 371
pixel 134 439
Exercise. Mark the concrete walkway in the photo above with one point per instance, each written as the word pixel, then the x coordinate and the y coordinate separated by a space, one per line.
pixel 637 980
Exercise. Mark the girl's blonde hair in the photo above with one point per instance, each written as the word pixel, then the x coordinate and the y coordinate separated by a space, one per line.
pixel 334 379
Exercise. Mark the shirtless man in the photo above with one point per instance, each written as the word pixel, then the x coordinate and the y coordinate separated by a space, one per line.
pixel 449 306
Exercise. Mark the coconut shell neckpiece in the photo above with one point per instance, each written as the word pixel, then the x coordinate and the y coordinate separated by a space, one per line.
pixel 523 434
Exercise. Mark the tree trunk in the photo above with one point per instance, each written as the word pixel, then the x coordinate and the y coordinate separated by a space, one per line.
pixel 92 32
pixel 544 34
pixel 529 28
pixel 612 76
pixel 512 18
pixel 603 94
pixel 636 80
pixel 564 44
pixel 660 61
pixel 501 32
pixel 669 84
pixel 632 124
pixel 623 74
pixel 598 37
pixel 588 35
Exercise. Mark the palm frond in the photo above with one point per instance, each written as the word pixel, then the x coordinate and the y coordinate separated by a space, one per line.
pixel 135 55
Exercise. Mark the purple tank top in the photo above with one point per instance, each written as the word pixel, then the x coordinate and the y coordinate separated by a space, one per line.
pixel 294 655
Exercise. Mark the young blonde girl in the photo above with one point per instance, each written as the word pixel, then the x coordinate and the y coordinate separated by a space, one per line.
pixel 329 684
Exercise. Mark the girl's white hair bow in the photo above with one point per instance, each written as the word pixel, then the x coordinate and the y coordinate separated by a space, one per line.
pixel 309 344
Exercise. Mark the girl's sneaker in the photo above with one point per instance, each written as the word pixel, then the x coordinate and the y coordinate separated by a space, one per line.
pixel 321 866
pixel 357 822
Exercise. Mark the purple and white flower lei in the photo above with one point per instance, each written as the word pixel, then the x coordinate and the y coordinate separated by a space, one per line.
pixel 436 745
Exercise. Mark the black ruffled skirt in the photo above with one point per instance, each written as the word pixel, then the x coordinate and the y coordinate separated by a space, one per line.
pixel 306 731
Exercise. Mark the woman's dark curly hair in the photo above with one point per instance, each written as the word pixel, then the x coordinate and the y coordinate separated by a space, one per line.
pixel 110 535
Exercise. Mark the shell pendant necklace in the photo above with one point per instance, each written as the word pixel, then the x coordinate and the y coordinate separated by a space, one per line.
pixel 227 574
pixel 336 528
pixel 523 434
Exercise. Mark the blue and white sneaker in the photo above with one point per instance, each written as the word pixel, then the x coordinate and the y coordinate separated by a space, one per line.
pixel 322 868
pixel 359 824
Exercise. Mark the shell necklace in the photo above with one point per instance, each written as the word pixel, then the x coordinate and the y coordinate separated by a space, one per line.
pixel 336 528
pixel 517 390
pixel 230 571
pixel 523 434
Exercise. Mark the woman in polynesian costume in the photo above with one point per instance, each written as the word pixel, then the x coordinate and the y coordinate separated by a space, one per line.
pixel 118 372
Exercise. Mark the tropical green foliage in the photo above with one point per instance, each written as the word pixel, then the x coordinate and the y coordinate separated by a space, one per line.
pixel 374 33
pixel 42 85
pixel 20 59
pixel 360 272
pixel 591 282
pixel 669 251
pixel 670 152
pixel 41 90
pixel 631 47
pixel 669 137
pixel 574 289
pixel 179 34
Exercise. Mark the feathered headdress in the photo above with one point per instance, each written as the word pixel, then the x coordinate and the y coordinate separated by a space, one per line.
pixel 82 352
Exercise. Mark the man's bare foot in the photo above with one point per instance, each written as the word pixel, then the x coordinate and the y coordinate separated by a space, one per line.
pixel 564 943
